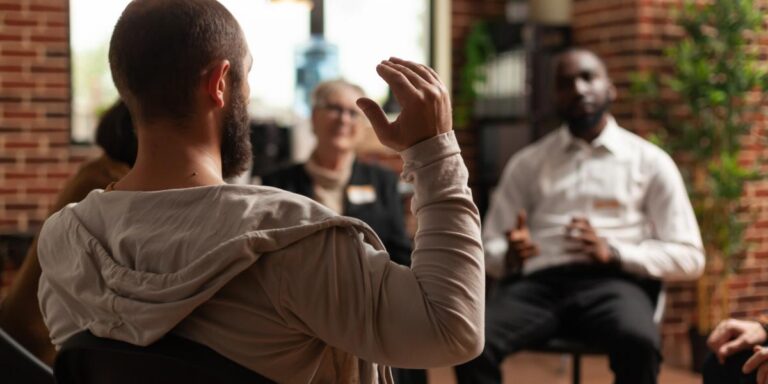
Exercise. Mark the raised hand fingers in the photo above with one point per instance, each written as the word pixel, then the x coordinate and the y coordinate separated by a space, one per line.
pixel 417 80
pixel 425 72
pixel 374 113
pixel 401 86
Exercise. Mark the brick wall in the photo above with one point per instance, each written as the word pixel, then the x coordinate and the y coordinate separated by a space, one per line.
pixel 35 154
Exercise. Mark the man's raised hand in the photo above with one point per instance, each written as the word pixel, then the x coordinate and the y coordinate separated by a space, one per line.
pixel 425 102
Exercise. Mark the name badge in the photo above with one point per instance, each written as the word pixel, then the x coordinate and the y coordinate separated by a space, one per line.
pixel 361 194
pixel 607 204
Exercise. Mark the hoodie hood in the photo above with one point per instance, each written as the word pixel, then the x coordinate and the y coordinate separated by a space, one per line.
pixel 131 265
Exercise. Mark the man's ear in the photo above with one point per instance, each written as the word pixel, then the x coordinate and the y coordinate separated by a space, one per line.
pixel 612 92
pixel 216 82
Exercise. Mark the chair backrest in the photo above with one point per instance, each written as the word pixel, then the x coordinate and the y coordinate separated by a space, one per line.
pixel 661 305
pixel 87 359
pixel 17 365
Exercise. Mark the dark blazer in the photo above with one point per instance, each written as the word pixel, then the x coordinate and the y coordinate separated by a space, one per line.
pixel 384 213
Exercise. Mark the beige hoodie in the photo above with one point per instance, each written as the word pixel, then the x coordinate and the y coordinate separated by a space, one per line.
pixel 273 280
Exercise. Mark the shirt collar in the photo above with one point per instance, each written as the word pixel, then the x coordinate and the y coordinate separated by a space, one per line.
pixel 608 139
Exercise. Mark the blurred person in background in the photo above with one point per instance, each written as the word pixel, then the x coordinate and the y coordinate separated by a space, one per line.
pixel 20 312
pixel 334 177
pixel 582 228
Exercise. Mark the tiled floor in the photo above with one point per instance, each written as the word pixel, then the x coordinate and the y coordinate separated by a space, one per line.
pixel 531 368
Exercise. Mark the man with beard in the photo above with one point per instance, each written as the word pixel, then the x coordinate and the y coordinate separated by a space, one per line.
pixel 269 279
pixel 583 226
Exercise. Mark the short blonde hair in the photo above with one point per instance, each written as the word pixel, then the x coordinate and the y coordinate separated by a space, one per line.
pixel 321 92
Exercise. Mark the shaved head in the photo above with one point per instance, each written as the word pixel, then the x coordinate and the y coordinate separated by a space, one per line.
pixel 160 48
pixel 581 55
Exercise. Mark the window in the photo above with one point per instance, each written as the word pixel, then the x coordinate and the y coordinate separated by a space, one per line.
pixel 92 88
pixel 361 29
pixel 368 31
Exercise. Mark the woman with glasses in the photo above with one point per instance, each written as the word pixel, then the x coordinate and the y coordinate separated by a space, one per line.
pixel 335 178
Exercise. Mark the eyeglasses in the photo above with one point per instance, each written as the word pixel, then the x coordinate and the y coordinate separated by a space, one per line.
pixel 338 111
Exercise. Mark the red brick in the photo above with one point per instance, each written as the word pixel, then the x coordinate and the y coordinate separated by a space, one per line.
pixel 16 145
pixel 21 207
pixel 48 38
pixel 10 37
pixel 42 191
pixel 14 22
pixel 18 53
pixel 10 68
pixel 55 85
pixel 59 175
pixel 10 7
pixel 12 113
pixel 19 176
pixel 48 7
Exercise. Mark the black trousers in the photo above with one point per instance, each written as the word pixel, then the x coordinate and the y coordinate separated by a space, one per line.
pixel 729 372
pixel 599 305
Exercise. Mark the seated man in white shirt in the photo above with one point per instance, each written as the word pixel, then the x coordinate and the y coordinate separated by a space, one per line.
pixel 591 217
pixel 269 279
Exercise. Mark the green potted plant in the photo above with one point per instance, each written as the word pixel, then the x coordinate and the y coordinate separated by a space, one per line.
pixel 716 86
pixel 478 49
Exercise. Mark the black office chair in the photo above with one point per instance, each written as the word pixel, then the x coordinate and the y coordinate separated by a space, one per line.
pixel 87 359
pixel 18 366
pixel 577 349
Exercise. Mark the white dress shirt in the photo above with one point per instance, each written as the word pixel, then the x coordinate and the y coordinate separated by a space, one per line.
pixel 630 191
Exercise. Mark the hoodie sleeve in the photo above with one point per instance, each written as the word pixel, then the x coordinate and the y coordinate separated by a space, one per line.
pixel 345 292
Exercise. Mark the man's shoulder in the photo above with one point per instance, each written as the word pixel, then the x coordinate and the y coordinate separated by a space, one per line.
pixel 283 216
pixel 266 197
pixel 535 151
pixel 644 148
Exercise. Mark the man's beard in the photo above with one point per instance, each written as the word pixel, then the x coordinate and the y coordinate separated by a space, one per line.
pixel 584 123
pixel 236 138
